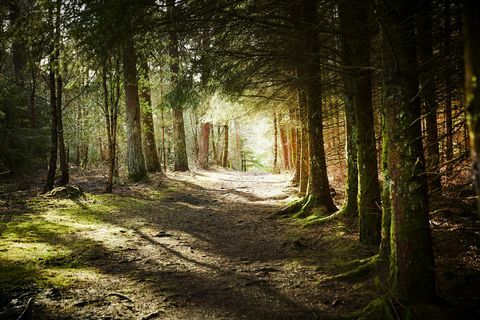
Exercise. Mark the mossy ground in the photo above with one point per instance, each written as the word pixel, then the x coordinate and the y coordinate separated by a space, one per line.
pixel 190 246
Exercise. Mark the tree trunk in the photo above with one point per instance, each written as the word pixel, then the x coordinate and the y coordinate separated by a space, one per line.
pixel 304 154
pixel 427 84
pixel 135 160
pixel 295 147
pixel 448 90
pixel 318 188
pixel 65 177
pixel 225 146
pixel 285 151
pixel 164 151
pixel 357 35
pixel 275 143
pixel 52 167
pixel 204 145
pixel 472 88
pixel 152 163
pixel 350 204
pixel 179 143
pixel 411 265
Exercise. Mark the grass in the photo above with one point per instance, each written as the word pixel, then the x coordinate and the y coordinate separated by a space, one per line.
pixel 53 241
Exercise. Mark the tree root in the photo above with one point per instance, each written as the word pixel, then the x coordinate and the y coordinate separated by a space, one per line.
pixel 364 268
pixel 291 208
pixel 299 209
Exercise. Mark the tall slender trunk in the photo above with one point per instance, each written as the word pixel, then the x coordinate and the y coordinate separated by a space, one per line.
pixel 179 143
pixel 152 163
pixel 214 147
pixel 318 188
pixel 204 145
pixel 65 177
pixel 275 143
pixel 52 167
pixel 225 146
pixel 448 89
pixel 295 146
pixel 135 159
pixel 472 88
pixel 427 83
pixel 350 204
pixel 411 258
pixel 285 148
pixel 164 151
pixel 304 153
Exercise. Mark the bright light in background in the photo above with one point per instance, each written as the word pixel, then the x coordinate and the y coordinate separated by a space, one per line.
pixel 256 129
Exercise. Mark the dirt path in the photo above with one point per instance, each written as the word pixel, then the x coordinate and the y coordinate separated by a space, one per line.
pixel 206 249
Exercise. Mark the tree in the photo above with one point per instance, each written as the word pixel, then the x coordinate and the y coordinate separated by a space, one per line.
pixel 427 84
pixel 179 146
pixel 472 89
pixel 135 159
pixel 411 258
pixel 204 145
pixel 152 163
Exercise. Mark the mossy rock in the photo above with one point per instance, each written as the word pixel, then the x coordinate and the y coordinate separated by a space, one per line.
pixel 66 192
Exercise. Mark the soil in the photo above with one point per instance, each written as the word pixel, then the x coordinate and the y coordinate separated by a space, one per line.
pixel 208 248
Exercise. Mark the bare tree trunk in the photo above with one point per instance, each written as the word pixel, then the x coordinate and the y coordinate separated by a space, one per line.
pixel 448 89
pixel 204 145
pixel 275 143
pixel 152 163
pixel 164 151
pixel 179 143
pixel 225 146
pixel 135 159
pixel 472 89
pixel 285 150
pixel 427 83
pixel 52 167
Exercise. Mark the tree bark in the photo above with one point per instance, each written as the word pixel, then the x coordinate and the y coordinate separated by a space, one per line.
pixel 448 90
pixel 179 143
pixel 411 258
pixel 135 159
pixel 275 143
pixel 204 145
pixel 472 88
pixel 225 146
pixel 285 148
pixel 318 188
pixel 427 83
pixel 350 204
pixel 152 163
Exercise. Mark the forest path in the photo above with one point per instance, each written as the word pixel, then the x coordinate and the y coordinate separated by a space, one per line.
pixel 202 246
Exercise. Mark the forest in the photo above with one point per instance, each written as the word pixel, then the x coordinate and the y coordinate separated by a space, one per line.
pixel 239 159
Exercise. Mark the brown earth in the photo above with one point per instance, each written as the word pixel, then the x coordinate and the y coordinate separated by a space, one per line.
pixel 206 247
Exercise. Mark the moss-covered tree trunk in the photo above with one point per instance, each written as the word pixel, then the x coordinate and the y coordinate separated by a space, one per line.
pixel 179 142
pixel 411 259
pixel 472 86
pixel 135 159
pixel 428 96
pixel 152 163
pixel 350 204
pixel 318 187
pixel 357 33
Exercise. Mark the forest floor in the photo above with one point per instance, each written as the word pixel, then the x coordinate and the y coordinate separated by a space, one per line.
pixel 198 246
